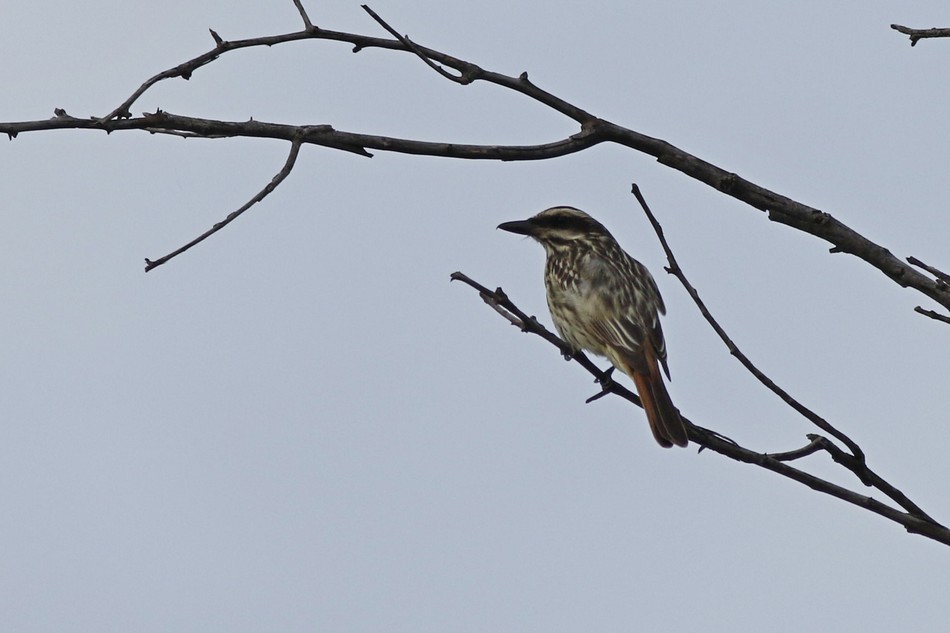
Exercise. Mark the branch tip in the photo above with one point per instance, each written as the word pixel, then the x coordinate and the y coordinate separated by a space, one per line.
pixel 916 35
pixel 936 316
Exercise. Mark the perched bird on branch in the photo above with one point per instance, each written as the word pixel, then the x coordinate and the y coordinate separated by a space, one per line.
pixel 606 302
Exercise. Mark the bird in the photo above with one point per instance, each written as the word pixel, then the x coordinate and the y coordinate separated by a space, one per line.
pixel 604 301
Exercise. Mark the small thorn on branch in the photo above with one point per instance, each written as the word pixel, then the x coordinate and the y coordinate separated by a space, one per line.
pixel 217 38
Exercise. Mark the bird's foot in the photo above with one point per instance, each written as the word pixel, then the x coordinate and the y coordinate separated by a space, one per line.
pixel 569 354
pixel 606 382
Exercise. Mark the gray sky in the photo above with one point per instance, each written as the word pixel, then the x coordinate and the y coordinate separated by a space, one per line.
pixel 301 425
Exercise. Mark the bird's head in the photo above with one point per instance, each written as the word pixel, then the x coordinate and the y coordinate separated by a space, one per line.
pixel 559 227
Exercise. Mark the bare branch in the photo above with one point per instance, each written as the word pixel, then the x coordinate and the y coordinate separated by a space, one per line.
pixel 919 34
pixel 275 181
pixel 593 131
pixel 324 135
pixel 913 520
pixel 675 270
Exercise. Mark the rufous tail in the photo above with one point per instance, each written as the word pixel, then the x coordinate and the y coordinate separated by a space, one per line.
pixel 664 419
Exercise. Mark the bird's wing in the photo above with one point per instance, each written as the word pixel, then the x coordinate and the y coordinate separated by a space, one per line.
pixel 629 314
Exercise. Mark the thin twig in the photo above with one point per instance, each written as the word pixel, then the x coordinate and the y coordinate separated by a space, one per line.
pixel 276 180
pixel 919 34
pixel 813 446
pixel 936 316
pixel 303 15
pixel 936 272
pixel 181 70
pixel 187 68
pixel 675 269
pixel 463 78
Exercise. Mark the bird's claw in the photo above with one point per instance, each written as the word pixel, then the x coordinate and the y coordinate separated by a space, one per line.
pixel 607 379
pixel 606 382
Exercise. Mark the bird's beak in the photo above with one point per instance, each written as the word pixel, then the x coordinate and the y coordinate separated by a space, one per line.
pixel 521 227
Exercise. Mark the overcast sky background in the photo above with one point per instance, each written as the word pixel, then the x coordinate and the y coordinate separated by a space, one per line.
pixel 302 425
